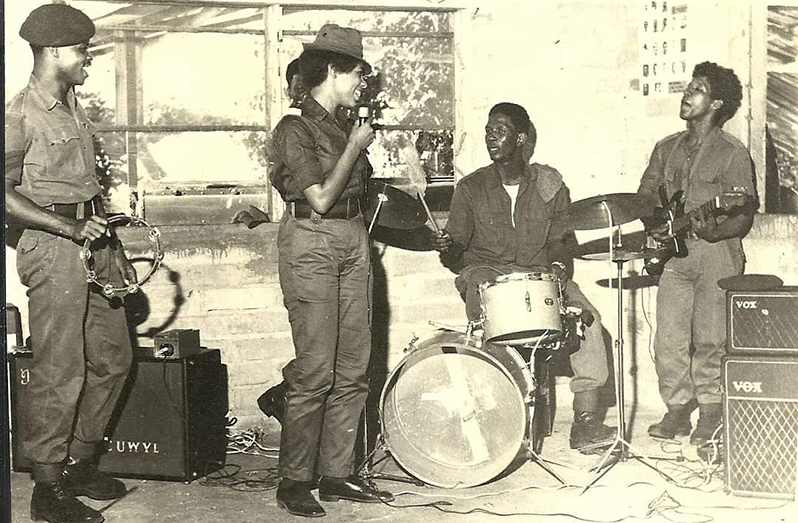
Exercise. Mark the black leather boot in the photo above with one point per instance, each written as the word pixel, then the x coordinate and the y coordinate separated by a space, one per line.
pixel 51 502
pixel 709 420
pixel 588 431
pixel 353 488
pixel 295 497
pixel 272 402
pixel 676 422
pixel 83 478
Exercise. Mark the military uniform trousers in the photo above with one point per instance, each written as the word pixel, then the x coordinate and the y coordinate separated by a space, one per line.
pixel 81 347
pixel 691 322
pixel 325 270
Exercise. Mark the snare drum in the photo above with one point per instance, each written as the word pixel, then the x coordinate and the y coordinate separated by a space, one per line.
pixel 521 308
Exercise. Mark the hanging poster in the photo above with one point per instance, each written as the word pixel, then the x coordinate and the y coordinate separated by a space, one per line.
pixel 664 67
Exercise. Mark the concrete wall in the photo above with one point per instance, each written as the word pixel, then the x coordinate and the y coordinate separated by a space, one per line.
pixel 574 66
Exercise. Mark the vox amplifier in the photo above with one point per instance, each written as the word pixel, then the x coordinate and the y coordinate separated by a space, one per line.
pixel 760 424
pixel 169 424
pixel 763 322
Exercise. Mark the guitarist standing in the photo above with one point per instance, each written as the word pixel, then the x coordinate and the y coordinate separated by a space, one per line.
pixel 704 162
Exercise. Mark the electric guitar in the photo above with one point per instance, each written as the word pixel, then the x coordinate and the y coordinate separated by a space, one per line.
pixel 680 224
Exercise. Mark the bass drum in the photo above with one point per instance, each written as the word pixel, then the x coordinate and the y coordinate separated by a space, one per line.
pixel 456 412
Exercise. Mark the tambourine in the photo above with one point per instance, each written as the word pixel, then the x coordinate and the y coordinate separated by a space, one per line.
pixel 109 290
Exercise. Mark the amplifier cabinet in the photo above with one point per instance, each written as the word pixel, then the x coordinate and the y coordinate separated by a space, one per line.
pixel 169 424
pixel 763 322
pixel 760 424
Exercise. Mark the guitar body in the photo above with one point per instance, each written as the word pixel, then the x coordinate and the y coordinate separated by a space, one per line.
pixel 676 246
pixel 672 213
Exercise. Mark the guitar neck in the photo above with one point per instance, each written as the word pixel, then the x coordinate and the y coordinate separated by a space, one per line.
pixel 684 221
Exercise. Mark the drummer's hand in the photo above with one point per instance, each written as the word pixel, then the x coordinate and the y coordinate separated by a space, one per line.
pixel 362 135
pixel 91 228
pixel 560 271
pixel 585 315
pixel 442 241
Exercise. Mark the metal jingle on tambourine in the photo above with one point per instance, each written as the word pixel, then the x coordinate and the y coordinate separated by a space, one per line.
pixel 108 289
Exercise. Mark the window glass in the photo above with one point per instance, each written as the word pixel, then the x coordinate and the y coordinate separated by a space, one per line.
pixel 178 91
pixel 178 160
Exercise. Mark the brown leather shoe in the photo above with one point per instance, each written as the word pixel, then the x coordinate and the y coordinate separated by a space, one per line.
pixel 51 502
pixel 82 478
pixel 353 488
pixel 295 497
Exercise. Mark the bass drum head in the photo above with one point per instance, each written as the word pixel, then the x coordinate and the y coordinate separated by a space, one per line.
pixel 452 414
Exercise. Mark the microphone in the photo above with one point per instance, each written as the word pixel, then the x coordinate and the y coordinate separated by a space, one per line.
pixel 363 114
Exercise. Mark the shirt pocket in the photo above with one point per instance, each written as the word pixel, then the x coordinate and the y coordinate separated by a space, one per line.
pixel 329 150
pixel 704 185
pixel 64 152
pixel 490 228
pixel 27 243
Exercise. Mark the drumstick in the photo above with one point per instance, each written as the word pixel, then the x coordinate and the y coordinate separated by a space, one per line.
pixel 419 178
pixel 380 198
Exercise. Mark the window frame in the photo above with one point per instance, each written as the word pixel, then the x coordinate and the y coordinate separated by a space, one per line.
pixel 128 41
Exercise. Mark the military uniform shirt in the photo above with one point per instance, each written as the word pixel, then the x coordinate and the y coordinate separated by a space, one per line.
pixel 307 148
pixel 49 147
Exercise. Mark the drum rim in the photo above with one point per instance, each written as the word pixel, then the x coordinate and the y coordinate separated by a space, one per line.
pixel 518 276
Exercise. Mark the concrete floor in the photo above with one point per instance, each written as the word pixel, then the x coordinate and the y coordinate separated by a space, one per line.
pixel 628 491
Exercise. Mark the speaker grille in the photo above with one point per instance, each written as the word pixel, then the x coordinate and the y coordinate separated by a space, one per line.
pixel 762 447
pixel 763 322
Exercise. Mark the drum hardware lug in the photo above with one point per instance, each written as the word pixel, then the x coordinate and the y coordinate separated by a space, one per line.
pixel 530 396
pixel 473 326
pixel 412 345
pixel 528 300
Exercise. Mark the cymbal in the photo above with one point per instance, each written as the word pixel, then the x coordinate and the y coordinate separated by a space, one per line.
pixel 621 255
pixel 591 213
pixel 631 282
pixel 398 209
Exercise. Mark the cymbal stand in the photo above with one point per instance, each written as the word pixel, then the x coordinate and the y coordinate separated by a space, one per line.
pixel 620 447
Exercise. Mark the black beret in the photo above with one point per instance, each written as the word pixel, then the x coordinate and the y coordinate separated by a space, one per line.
pixel 57 25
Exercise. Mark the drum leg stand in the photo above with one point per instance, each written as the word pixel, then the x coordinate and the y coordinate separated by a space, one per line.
pixel 542 463
pixel 619 449
pixel 365 470
pixel 544 379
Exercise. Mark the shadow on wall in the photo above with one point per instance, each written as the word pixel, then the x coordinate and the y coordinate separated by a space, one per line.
pixel 137 307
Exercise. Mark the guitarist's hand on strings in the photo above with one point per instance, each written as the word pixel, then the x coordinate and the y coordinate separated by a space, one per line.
pixel 661 233
pixel 705 228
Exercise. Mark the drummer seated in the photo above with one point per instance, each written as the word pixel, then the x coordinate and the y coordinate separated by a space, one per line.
pixel 510 217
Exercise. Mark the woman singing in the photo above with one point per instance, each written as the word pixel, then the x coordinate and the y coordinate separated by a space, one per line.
pixel 324 266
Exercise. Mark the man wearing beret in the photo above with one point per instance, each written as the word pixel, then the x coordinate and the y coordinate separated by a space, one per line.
pixel 81 350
